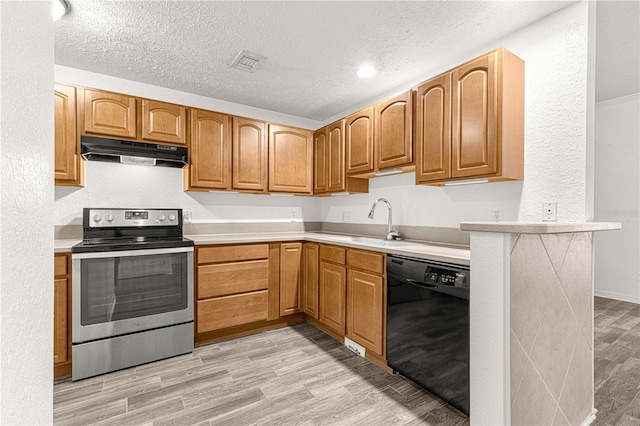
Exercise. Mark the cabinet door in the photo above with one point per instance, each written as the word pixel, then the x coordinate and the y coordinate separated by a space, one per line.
pixel 60 328
pixel 335 157
pixel 359 141
pixel 365 310
pixel 310 263
pixel 290 273
pixel 164 122
pixel 109 114
pixel 320 160
pixel 249 155
pixel 474 118
pixel 433 129
pixel 290 159
pixel 67 157
pixel 333 290
pixel 393 134
pixel 210 150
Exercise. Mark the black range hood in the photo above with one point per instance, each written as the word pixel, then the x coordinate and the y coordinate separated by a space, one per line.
pixel 128 152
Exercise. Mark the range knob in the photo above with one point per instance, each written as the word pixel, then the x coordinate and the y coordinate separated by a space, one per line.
pixel 97 218
pixel 161 217
pixel 110 218
pixel 172 217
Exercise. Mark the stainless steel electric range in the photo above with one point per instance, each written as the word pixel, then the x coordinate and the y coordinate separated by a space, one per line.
pixel 132 290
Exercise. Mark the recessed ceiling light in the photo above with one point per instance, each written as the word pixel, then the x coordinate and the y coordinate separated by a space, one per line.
pixel 366 72
pixel 60 8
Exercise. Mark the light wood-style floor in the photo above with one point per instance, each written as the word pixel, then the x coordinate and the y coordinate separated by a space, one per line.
pixel 617 362
pixel 291 376
pixel 300 376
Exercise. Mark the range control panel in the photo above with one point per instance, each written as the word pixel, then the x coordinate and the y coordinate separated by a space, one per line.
pixel 116 218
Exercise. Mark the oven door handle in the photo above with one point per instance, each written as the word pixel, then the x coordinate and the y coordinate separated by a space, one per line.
pixel 127 253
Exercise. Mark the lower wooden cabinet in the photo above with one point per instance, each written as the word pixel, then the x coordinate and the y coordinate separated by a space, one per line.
pixel 62 315
pixel 366 299
pixel 333 288
pixel 333 285
pixel 310 265
pixel 365 310
pixel 290 275
pixel 351 295
pixel 246 287
pixel 232 286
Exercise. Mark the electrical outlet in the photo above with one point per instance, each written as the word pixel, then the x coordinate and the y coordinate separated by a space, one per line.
pixel 346 216
pixel 496 215
pixel 186 214
pixel 549 212
pixel 293 215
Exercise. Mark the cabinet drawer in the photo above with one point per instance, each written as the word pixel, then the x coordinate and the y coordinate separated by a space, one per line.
pixel 366 260
pixel 228 311
pixel 60 265
pixel 231 278
pixel 332 254
pixel 232 253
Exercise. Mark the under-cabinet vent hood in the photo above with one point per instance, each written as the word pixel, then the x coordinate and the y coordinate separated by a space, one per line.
pixel 128 152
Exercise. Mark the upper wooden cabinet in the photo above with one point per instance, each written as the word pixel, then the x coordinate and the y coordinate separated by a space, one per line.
pixel 209 151
pixel 329 161
pixel 484 105
pixel 393 133
pixel 250 155
pixel 164 122
pixel 320 163
pixel 359 141
pixel 433 129
pixel 68 163
pixel 111 114
pixel 290 159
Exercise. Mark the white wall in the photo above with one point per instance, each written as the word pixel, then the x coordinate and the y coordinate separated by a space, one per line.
pixel 119 185
pixel 555 51
pixel 617 198
pixel 26 242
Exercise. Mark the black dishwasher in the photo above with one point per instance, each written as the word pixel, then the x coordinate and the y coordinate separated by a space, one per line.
pixel 428 326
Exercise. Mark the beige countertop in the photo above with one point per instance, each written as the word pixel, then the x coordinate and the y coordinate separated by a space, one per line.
pixel 539 227
pixel 443 253
pixel 63 246
pixel 438 252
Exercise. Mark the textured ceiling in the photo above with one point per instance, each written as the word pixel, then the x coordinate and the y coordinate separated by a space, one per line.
pixel 313 49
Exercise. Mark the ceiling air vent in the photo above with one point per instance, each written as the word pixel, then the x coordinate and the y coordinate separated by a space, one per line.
pixel 247 61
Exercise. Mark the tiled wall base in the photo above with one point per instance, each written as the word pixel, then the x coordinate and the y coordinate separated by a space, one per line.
pixel 551 329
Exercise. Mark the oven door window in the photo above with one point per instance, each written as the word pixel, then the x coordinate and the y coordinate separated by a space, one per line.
pixel 118 288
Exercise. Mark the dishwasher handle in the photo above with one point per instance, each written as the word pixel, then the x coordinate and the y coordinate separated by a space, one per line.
pixel 420 283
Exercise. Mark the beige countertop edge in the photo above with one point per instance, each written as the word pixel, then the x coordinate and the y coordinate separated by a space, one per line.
pixel 405 248
pixel 539 227
pixel 64 246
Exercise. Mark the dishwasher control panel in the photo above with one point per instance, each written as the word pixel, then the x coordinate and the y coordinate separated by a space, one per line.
pixel 446 276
